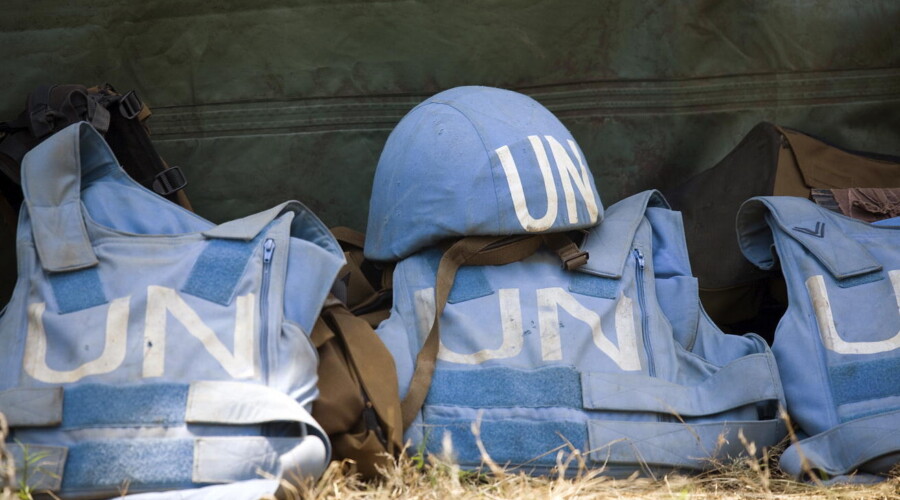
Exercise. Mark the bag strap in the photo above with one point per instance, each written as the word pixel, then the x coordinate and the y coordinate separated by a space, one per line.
pixel 120 117
pixel 369 285
pixel 373 363
pixel 844 448
pixel 473 251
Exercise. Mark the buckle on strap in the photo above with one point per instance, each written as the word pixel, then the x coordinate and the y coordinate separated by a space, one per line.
pixel 574 260
pixel 168 181
pixel 130 105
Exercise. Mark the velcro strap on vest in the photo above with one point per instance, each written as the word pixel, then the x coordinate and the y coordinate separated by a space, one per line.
pixel 846 447
pixel 204 402
pixel 813 227
pixel 51 183
pixel 99 466
pixel 610 442
pixel 32 407
pixel 201 460
pixel 610 243
pixel 48 475
pixel 471 250
pixel 747 380
pixel 219 267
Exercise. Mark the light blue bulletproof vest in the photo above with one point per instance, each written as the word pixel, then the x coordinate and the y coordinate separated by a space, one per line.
pixel 147 349
pixel 838 344
pixel 615 360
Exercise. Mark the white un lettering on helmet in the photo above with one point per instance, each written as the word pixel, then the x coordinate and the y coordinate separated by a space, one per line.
pixel 568 173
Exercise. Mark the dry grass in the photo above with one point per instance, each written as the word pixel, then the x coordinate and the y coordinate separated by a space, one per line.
pixel 416 478
pixel 7 467
pixel 435 479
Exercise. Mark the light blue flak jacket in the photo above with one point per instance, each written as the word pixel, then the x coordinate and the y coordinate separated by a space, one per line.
pixel 147 349
pixel 615 360
pixel 838 344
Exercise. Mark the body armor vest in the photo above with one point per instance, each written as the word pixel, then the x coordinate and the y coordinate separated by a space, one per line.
pixel 148 349
pixel 615 360
pixel 838 344
pixel 612 358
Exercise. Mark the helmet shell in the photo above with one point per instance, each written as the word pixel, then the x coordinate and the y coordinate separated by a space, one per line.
pixel 477 161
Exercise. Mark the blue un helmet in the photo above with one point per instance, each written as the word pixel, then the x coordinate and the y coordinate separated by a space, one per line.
pixel 477 161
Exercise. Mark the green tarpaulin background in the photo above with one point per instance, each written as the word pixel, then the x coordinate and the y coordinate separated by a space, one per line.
pixel 270 100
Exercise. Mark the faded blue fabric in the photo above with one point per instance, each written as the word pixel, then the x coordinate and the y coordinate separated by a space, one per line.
pixel 477 161
pixel 507 387
pixel 595 286
pixel 88 232
pixel 838 344
pixel 99 405
pixel 468 284
pixel 77 290
pixel 862 279
pixel 540 367
pixel 510 439
pixel 893 222
pixel 157 464
pixel 219 268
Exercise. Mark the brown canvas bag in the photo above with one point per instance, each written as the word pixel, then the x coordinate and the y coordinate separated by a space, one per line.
pixel 770 160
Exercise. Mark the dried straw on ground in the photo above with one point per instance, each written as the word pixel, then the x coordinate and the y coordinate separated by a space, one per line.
pixel 441 479
pixel 436 478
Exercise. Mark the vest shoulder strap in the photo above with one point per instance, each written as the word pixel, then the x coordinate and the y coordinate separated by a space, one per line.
pixel 51 184
pixel 610 243
pixel 815 228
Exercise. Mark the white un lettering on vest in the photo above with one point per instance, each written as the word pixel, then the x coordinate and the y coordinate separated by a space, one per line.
pixel 831 338
pixel 161 302
pixel 549 301
pixel 568 174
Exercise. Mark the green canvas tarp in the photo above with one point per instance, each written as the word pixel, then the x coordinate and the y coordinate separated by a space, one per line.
pixel 264 101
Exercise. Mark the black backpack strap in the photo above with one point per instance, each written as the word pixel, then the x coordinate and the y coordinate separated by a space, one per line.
pixel 51 108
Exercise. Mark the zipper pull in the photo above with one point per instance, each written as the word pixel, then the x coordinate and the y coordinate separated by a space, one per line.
pixel 640 257
pixel 268 250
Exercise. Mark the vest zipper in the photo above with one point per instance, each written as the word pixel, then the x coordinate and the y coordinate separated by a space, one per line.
pixel 268 251
pixel 642 303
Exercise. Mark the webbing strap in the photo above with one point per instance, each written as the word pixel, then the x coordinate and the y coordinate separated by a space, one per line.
pixel 572 257
pixel 746 380
pixel 376 369
pixel 683 445
pixel 203 402
pixel 200 460
pixel 472 250
pixel 846 447
pixel 346 235
pixel 32 407
pixel 367 295
pixel 102 466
